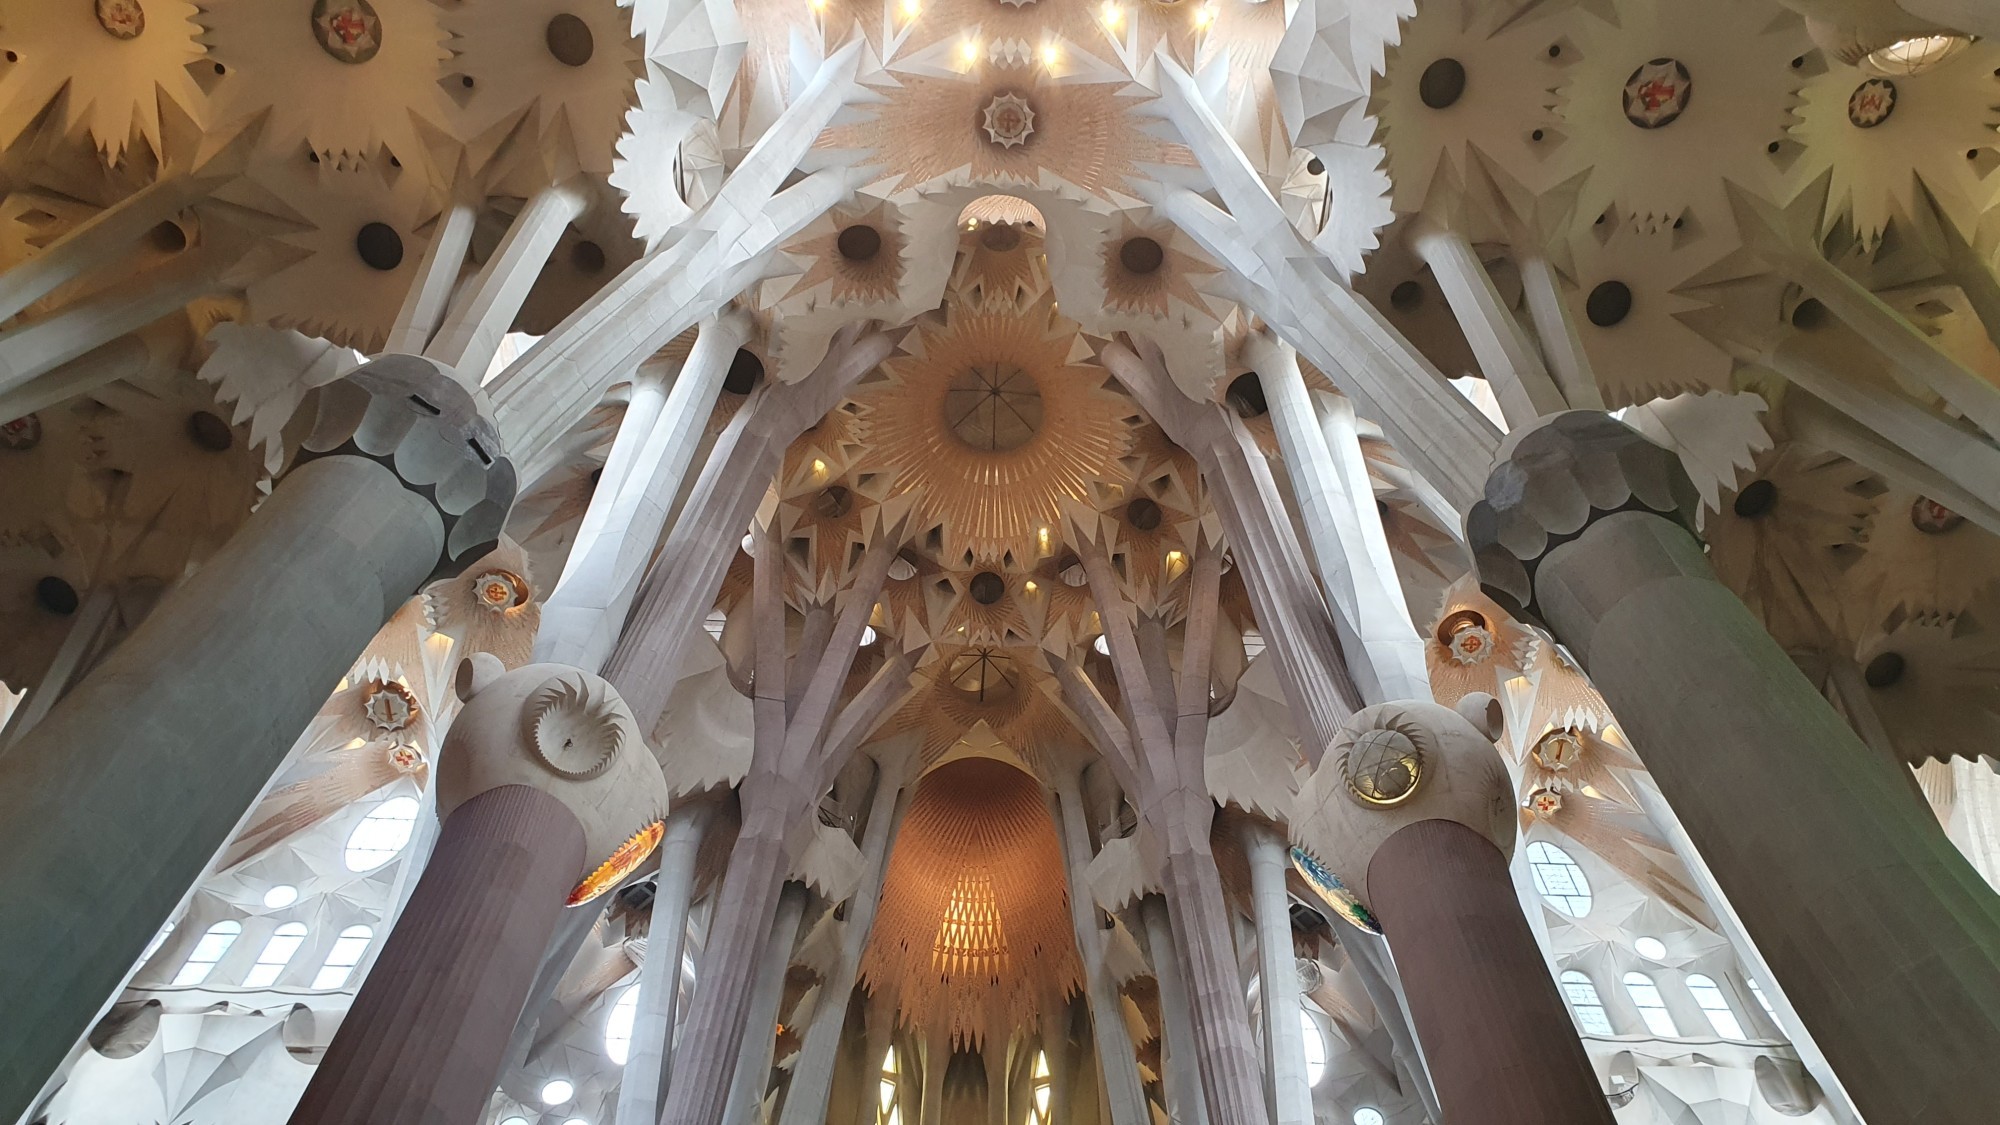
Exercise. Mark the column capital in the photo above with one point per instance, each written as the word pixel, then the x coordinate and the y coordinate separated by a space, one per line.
pixel 1552 481
pixel 413 417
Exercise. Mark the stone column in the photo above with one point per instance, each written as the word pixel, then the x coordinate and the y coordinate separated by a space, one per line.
pixel 437 1007
pixel 1414 799
pixel 1183 1077
pixel 1807 831
pixel 549 797
pixel 812 1075
pixel 1117 1064
pixel 647 1066
pixel 1277 966
pixel 124 792
pixel 1509 362
pixel 760 1034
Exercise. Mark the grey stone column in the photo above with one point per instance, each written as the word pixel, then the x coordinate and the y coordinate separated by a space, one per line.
pixel 1884 937
pixel 1118 1072
pixel 115 803
pixel 426 1035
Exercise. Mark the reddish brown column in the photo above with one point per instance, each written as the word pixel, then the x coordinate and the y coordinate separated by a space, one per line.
pixel 1496 1034
pixel 425 1039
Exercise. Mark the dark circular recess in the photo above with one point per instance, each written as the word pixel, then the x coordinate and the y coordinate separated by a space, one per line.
pixel 832 502
pixel 379 246
pixel 56 596
pixel 1144 514
pixel 587 257
pixel 1757 498
pixel 465 80
pixel 169 238
pixel 745 372
pixel 1443 83
pixel 1608 304
pixel 1316 167
pixel 1246 396
pixel 986 587
pixel 1555 50
pixel 1808 314
pixel 1407 296
pixel 570 40
pixel 1000 237
pixel 1886 670
pixel 859 243
pixel 1141 255
pixel 210 432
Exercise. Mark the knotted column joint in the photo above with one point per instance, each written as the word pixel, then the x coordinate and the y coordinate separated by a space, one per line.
pixel 1556 479
pixel 411 416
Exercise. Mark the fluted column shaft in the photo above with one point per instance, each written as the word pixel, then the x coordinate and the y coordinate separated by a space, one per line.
pixel 428 1031
pixel 1117 1064
pixel 1231 1078
pixel 646 1067
pixel 1497 1037
pixel 1277 962
pixel 1807 831
pixel 1183 1077
pixel 753 1062
pixel 124 792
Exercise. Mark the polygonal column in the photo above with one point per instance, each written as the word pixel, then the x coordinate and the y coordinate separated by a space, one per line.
pixel 113 805
pixel 1415 804
pixel 1884 938
pixel 549 797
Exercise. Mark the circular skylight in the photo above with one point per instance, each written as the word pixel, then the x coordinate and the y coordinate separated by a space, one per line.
pixel 557 1091
pixel 281 896
pixel 1651 948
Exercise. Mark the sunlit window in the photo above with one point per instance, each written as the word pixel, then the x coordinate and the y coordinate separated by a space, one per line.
pixel 212 947
pixel 346 953
pixel 1589 1007
pixel 1368 1115
pixel 1763 1001
pixel 1708 997
pixel 382 834
pixel 1558 879
pixel 1315 1047
pixel 159 940
pixel 1044 1110
pixel 618 1026
pixel 886 1110
pixel 277 953
pixel 1646 997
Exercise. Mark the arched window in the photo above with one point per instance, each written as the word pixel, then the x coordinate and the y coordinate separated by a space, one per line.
pixel 1315 1047
pixel 276 954
pixel 382 834
pixel 212 947
pixel 1763 1001
pixel 346 953
pixel 887 1112
pixel 1646 997
pixel 1708 996
pixel 1589 1007
pixel 1558 879
pixel 1043 1112
pixel 618 1026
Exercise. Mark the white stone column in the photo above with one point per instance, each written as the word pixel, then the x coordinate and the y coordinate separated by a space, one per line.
pixel 482 312
pixel 1117 1065
pixel 1284 1044
pixel 1506 358
pixel 437 277
pixel 1385 654
pixel 650 1059
pixel 812 1075
pixel 1562 347
pixel 760 1035
pixel 39 347
pixel 1183 1077
pixel 102 239
pixel 582 619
